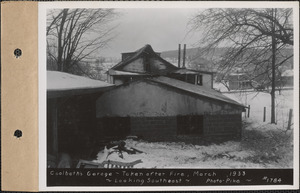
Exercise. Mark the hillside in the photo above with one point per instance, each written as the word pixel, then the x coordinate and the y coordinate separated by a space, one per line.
pixel 192 52
pixel 198 59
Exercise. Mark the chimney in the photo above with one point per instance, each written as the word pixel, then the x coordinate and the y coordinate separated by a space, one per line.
pixel 179 53
pixel 183 57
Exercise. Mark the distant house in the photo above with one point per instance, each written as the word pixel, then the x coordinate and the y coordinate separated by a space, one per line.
pixel 239 81
pixel 287 78
pixel 242 81
pixel 159 101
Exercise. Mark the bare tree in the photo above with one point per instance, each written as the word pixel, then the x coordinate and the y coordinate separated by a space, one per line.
pixel 256 40
pixel 74 35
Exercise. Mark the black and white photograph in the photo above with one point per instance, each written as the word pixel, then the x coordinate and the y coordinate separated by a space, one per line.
pixel 171 88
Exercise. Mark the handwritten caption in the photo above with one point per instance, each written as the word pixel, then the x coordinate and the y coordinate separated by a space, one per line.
pixel 168 177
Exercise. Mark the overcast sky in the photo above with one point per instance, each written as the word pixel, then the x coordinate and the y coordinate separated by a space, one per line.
pixel 162 28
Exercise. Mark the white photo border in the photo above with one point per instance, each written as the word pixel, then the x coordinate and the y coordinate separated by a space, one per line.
pixel 42 9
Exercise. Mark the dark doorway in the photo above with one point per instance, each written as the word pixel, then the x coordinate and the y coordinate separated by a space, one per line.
pixel 116 126
pixel 190 125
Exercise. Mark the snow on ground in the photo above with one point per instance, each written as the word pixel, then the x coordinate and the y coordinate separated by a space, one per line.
pixel 263 145
pixel 181 155
pixel 231 154
pixel 259 100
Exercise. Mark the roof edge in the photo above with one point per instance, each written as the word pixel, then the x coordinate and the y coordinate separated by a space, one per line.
pixel 167 85
pixel 237 103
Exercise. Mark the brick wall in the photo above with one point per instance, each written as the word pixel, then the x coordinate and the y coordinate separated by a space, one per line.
pixel 222 125
pixel 154 128
pixel 165 128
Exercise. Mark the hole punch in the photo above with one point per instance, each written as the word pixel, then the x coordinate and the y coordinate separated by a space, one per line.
pixel 17 52
pixel 18 133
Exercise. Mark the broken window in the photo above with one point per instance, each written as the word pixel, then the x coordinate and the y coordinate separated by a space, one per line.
pixel 199 79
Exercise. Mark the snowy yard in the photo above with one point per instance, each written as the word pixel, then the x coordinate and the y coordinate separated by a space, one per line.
pixel 263 145
pixel 259 100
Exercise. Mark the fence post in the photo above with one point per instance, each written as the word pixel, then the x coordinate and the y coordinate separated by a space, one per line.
pixel 248 110
pixel 264 119
pixel 290 119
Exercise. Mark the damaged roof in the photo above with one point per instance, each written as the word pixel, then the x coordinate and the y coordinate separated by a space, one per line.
pixel 195 89
pixel 147 49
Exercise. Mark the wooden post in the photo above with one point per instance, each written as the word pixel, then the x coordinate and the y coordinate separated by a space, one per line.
pixel 183 57
pixel 248 110
pixel 264 119
pixel 54 127
pixel 179 52
pixel 290 119
pixel 212 81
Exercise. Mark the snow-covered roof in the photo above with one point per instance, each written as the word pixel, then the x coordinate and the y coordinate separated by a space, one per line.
pixel 64 81
pixel 62 84
pixel 120 73
pixel 190 71
pixel 237 74
pixel 288 73
pixel 195 89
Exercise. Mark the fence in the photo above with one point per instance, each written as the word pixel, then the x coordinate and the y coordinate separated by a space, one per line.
pixel 283 117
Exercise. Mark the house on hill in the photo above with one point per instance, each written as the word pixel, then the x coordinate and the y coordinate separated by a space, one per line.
pixel 239 81
pixel 159 101
pixel 287 78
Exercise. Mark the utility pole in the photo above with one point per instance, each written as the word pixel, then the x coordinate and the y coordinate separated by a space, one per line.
pixel 179 52
pixel 183 58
